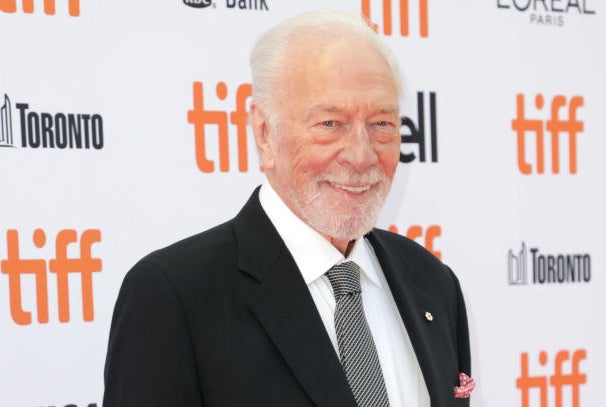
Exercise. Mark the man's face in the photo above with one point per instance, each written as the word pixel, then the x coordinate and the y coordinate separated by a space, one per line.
pixel 335 147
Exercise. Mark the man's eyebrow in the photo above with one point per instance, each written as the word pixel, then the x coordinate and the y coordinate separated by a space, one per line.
pixel 322 108
pixel 325 108
pixel 389 110
pixel 338 109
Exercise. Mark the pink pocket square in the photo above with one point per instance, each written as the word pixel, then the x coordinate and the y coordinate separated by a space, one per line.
pixel 466 385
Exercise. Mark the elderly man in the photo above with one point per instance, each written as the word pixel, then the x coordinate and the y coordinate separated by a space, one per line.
pixel 298 301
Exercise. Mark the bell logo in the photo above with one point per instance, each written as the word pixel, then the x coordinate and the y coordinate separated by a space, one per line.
pixel 428 236
pixel 10 6
pixel 558 380
pixel 555 125
pixel 404 17
pixel 201 118
pixel 415 133
pixel 62 265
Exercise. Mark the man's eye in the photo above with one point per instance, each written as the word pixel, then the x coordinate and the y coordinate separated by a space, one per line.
pixel 328 123
pixel 383 123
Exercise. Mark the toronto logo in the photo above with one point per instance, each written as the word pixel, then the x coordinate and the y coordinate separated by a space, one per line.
pixel 543 268
pixel 6 123
pixel 46 130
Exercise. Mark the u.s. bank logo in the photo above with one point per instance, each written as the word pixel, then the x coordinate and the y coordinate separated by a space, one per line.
pixel 197 3
pixel 547 268
pixel 258 5
pixel 6 123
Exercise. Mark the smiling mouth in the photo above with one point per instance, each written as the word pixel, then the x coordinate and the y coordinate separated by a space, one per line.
pixel 352 188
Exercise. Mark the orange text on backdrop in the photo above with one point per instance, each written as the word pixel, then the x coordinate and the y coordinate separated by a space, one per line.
pixel 558 380
pixel 555 125
pixel 200 118
pixel 61 265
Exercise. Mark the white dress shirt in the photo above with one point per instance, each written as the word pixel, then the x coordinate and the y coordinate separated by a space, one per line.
pixel 314 256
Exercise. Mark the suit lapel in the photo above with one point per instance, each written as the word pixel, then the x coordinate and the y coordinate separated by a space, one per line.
pixel 284 307
pixel 413 304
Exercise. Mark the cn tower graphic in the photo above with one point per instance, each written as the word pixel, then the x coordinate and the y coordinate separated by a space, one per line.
pixel 6 124
pixel 516 266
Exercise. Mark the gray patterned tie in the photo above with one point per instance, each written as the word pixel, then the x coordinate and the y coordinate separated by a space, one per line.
pixel 356 347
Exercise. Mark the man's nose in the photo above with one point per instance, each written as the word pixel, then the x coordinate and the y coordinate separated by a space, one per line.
pixel 358 149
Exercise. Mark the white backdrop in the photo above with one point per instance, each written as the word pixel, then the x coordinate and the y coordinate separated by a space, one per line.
pixel 134 65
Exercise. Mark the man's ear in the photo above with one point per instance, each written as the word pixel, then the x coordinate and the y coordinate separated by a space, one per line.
pixel 264 137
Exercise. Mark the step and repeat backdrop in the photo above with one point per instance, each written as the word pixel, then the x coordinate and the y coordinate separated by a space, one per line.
pixel 124 128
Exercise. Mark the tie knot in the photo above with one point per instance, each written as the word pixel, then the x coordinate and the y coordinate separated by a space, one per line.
pixel 344 278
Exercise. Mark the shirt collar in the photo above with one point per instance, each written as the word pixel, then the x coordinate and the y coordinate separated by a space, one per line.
pixel 301 240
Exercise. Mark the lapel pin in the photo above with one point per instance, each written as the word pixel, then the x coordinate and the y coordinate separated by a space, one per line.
pixel 428 316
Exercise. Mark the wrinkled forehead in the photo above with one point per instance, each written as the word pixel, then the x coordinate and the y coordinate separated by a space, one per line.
pixel 350 64
pixel 308 48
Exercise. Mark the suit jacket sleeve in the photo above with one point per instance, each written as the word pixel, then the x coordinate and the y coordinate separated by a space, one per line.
pixel 150 360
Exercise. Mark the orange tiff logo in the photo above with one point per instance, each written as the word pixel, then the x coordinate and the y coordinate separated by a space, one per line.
pixel 415 232
pixel 558 380
pixel 62 265
pixel 554 125
pixel 10 6
pixel 404 17
pixel 200 117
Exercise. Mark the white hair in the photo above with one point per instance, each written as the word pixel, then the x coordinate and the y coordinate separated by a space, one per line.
pixel 268 56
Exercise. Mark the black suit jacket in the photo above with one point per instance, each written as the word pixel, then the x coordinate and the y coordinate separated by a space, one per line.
pixel 224 318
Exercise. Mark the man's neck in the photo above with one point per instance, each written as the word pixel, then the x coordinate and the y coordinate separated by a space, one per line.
pixel 344 246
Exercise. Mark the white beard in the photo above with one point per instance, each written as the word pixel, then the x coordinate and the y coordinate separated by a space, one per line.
pixel 335 215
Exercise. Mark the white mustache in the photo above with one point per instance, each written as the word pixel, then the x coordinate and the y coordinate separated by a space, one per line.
pixel 353 178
